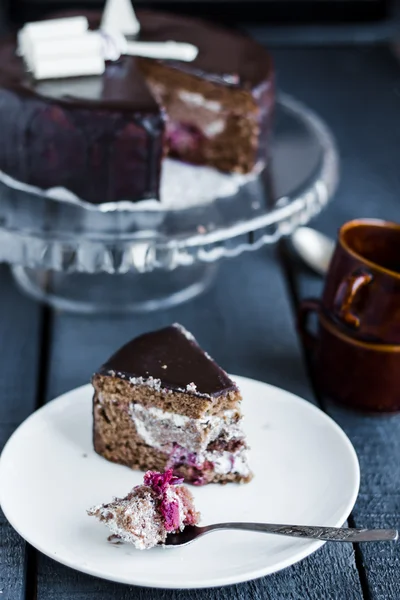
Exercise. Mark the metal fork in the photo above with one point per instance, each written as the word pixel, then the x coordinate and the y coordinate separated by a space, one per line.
pixel 326 534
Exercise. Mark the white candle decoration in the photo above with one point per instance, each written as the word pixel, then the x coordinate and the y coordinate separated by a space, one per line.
pixel 114 44
pixel 119 17
pixel 163 50
pixel 58 49
pixel 50 29
pixel 65 67
pixel 86 46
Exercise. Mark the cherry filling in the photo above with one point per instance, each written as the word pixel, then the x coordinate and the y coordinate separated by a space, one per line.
pixel 160 483
pixel 196 471
pixel 183 138
pixel 170 512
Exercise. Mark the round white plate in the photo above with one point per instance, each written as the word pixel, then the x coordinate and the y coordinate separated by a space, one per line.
pixel 306 472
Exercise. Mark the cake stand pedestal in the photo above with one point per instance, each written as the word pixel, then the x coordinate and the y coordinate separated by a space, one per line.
pixel 132 292
pixel 88 260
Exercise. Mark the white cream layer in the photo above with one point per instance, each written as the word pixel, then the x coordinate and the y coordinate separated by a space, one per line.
pixel 160 428
pixel 200 101
pixel 226 462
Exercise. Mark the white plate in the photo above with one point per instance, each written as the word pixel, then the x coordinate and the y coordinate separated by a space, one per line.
pixel 306 472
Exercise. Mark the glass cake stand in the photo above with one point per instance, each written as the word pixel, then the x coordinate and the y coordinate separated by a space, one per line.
pixel 115 259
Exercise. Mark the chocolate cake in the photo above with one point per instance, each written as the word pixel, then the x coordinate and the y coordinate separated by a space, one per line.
pixel 149 512
pixel 104 137
pixel 160 402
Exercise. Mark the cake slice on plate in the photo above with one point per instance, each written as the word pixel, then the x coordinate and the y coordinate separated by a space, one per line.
pixel 149 512
pixel 162 403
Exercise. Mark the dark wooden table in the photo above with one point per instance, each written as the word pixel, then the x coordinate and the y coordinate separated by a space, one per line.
pixel 247 322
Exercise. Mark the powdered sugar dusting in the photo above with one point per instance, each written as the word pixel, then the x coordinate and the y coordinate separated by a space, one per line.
pixel 150 382
pixel 189 336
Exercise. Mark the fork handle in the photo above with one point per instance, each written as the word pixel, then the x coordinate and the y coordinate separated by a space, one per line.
pixel 326 534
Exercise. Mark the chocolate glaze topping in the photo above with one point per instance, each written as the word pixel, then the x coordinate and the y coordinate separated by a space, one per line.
pixel 225 57
pixel 172 356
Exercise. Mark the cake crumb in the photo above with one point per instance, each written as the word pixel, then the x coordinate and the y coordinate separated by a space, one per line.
pixel 164 367
pixel 114 539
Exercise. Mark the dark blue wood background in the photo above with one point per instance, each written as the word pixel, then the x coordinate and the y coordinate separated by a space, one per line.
pixel 247 322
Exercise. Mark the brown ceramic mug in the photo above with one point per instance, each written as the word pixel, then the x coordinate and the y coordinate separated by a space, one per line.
pixel 355 373
pixel 362 290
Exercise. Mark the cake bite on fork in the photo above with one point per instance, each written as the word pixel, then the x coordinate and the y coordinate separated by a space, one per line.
pixel 146 515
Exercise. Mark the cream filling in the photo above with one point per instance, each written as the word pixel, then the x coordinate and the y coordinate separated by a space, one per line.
pixel 214 128
pixel 226 462
pixel 160 429
pixel 198 100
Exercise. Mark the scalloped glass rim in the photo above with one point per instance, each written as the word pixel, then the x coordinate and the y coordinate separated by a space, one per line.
pixel 120 242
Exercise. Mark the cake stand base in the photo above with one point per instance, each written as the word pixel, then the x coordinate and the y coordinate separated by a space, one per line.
pixel 71 256
pixel 103 293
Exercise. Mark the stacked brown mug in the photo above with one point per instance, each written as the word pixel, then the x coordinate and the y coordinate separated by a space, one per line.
pixel 357 346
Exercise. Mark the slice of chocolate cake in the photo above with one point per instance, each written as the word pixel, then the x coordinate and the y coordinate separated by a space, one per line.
pixel 219 107
pixel 161 402
pixel 149 512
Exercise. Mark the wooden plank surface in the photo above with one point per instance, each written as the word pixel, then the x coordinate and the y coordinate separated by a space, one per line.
pixel 19 360
pixel 361 100
pixel 249 330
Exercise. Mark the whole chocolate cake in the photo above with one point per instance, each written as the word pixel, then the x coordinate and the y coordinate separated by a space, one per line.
pixel 104 137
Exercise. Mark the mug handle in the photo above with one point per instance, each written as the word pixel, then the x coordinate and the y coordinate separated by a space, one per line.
pixel 346 294
pixel 306 307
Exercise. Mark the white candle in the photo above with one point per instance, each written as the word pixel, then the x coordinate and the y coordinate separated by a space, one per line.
pixel 46 30
pixel 84 46
pixel 119 16
pixel 54 49
pixel 162 50
pixel 66 67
